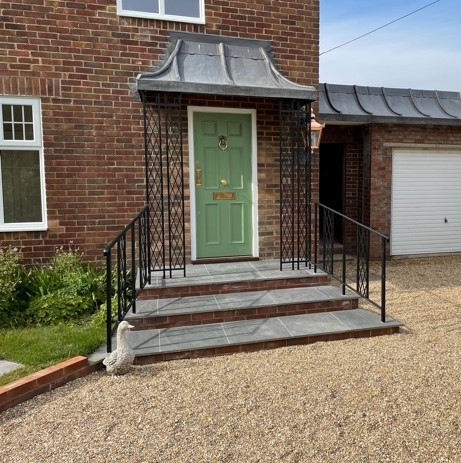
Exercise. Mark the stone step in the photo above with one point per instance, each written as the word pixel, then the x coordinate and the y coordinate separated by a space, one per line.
pixel 223 278
pixel 218 308
pixel 250 335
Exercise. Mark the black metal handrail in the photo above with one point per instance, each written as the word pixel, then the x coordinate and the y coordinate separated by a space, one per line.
pixel 131 248
pixel 357 240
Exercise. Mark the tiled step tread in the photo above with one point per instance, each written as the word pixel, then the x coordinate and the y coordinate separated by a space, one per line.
pixel 240 300
pixel 231 277
pixel 193 338
pixel 243 336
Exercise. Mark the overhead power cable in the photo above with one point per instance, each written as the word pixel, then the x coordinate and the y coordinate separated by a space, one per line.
pixel 378 28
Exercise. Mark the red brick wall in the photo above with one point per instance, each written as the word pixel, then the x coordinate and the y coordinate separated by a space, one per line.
pixel 352 139
pixel 381 162
pixel 369 188
pixel 78 57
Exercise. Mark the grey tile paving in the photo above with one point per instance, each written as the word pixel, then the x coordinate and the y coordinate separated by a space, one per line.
pixel 250 331
pixel 187 305
pixel 362 319
pixel 331 291
pixel 234 276
pixel 297 295
pixel 317 323
pixel 143 341
pixel 147 308
pixel 228 272
pixel 244 300
pixel 194 337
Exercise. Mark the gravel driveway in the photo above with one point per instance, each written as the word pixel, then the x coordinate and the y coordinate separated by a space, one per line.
pixel 386 399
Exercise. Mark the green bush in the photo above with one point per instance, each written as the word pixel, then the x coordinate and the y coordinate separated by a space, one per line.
pixel 64 291
pixel 60 306
pixel 11 276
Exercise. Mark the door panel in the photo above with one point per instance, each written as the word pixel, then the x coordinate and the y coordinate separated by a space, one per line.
pixel 212 225
pixel 224 197
pixel 237 216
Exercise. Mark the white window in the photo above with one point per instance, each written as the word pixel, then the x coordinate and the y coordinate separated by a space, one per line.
pixel 191 11
pixel 22 183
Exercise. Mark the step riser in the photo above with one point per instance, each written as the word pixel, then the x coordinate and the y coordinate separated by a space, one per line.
pixel 201 318
pixel 225 288
pixel 227 350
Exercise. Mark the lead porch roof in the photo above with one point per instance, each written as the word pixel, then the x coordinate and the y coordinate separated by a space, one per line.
pixel 212 64
pixel 361 104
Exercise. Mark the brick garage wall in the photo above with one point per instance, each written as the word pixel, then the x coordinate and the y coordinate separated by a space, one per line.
pixel 352 138
pixel 368 166
pixel 381 161
pixel 79 57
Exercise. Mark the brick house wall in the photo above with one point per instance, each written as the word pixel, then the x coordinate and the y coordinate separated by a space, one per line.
pixel 79 57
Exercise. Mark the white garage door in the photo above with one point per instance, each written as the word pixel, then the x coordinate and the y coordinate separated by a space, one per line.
pixel 426 202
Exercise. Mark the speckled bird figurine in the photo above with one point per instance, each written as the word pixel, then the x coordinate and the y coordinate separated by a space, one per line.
pixel 119 361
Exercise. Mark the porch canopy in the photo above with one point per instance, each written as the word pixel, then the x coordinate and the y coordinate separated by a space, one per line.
pixel 227 66
pixel 365 105
pixel 220 65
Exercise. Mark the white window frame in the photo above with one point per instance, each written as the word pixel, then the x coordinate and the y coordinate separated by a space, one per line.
pixel 161 14
pixel 24 145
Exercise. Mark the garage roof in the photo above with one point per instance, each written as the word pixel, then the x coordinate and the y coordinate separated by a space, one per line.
pixel 214 64
pixel 360 104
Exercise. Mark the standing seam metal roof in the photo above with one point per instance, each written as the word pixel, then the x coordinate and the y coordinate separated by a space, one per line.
pixel 360 104
pixel 214 64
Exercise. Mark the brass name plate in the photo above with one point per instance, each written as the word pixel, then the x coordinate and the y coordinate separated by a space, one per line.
pixel 220 195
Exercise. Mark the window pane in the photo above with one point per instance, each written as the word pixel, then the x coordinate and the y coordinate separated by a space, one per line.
pixel 28 114
pixel 29 131
pixel 22 200
pixel 147 6
pixel 189 8
pixel 17 113
pixel 18 132
pixel 8 131
pixel 6 112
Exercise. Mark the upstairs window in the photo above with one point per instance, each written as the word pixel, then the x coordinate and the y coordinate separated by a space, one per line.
pixel 191 11
pixel 22 185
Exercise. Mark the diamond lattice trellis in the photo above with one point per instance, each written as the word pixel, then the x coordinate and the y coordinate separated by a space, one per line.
pixel 295 183
pixel 165 181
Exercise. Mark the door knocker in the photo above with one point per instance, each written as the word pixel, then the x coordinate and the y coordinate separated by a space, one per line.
pixel 222 145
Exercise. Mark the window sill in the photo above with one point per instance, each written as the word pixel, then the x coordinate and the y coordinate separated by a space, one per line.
pixel 179 19
pixel 22 228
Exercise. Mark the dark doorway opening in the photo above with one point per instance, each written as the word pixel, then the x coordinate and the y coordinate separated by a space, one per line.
pixel 331 182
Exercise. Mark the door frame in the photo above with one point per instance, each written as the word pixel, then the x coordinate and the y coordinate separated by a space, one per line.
pixel 254 171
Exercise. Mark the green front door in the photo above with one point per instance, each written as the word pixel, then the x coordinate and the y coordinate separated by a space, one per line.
pixel 223 185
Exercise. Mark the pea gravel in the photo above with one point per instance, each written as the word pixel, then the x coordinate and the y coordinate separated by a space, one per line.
pixel 386 399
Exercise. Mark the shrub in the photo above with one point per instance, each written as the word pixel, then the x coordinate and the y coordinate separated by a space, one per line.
pixel 59 306
pixel 64 291
pixel 11 275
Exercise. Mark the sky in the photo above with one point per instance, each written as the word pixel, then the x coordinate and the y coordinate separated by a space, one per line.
pixel 422 51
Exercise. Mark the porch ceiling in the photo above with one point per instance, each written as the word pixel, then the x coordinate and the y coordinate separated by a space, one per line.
pixel 365 105
pixel 219 65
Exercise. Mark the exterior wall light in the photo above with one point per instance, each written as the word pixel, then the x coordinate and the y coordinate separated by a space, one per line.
pixel 316 132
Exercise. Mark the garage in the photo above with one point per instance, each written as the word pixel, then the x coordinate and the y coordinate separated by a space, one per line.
pixel 426 202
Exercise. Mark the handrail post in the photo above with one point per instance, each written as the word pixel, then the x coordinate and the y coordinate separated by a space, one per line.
pixel 133 268
pixel 148 236
pixel 344 255
pixel 383 279
pixel 107 254
pixel 316 231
